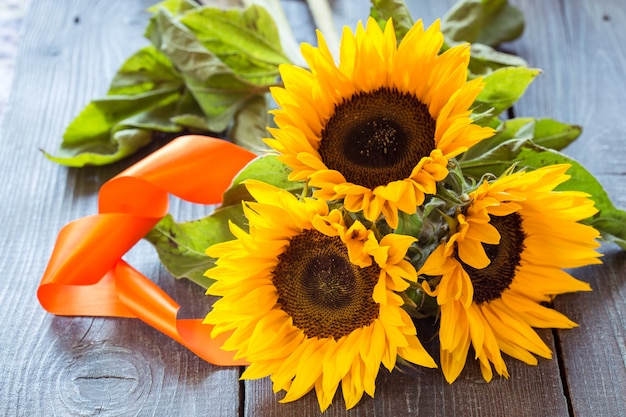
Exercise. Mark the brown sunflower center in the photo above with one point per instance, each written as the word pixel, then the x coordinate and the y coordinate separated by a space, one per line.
pixel 377 137
pixel 490 282
pixel 324 293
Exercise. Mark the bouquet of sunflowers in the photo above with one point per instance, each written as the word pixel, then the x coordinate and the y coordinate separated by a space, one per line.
pixel 391 189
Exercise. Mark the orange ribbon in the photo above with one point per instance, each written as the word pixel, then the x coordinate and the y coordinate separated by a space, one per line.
pixel 86 275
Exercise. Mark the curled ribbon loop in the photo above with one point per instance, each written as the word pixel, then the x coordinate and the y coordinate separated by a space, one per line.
pixel 86 275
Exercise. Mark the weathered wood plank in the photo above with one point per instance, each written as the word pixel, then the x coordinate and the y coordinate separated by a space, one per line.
pixel 11 15
pixel 580 46
pixel 81 366
pixel 594 355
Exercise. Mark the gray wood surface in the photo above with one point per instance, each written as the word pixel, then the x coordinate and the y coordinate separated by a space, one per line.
pixel 60 366
pixel 582 53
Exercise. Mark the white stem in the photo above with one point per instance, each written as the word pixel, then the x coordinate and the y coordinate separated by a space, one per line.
pixel 323 17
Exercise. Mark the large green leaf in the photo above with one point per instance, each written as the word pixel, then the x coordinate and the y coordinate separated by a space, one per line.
pixel 485 59
pixel 139 99
pixel 250 125
pixel 103 150
pixel 545 132
pixel 495 161
pixel 146 70
pixel 245 40
pixel 553 134
pixel 489 22
pixel 182 246
pixel 189 114
pixel 503 87
pixel 177 83
pixel 219 92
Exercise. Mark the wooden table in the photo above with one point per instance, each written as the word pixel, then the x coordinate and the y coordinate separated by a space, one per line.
pixel 61 366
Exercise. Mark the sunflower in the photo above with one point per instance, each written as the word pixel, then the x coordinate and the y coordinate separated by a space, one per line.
pixel 377 129
pixel 312 302
pixel 506 258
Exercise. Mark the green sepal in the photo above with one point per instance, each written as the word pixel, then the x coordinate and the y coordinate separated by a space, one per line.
pixel 429 224
pixel 418 304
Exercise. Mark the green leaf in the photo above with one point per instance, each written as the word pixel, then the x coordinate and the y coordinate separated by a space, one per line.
pixel 219 92
pixel 555 135
pixel 612 225
pixel 485 118
pixel 250 125
pixel 383 10
pixel 503 87
pixel 266 168
pixel 100 117
pixel 177 83
pixel 484 60
pixel 548 133
pixel 182 246
pixel 159 118
pixel 247 41
pixel 193 122
pixel 102 152
pixel 145 70
pixel 610 221
pixel 189 114
pixel 496 154
pixel 140 98
pixel 489 22
pixel 95 138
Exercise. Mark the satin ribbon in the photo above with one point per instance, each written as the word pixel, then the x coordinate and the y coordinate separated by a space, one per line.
pixel 86 275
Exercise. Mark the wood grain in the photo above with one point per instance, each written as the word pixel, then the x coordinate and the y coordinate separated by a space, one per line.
pixel 61 366
pixel 594 355
pixel 579 45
